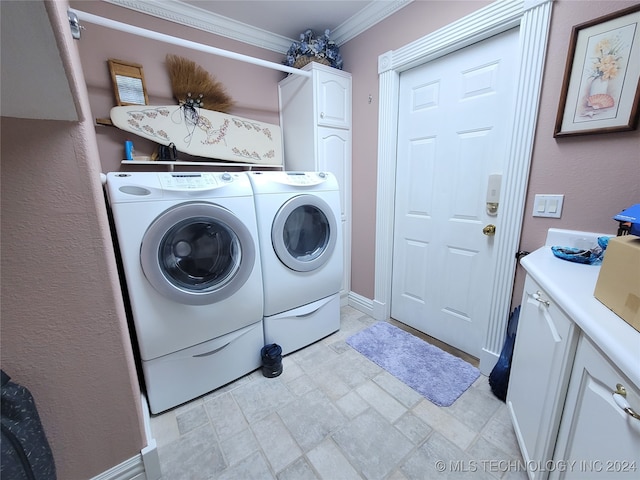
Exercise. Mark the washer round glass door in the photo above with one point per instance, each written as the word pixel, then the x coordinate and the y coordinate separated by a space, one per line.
pixel 197 253
pixel 304 233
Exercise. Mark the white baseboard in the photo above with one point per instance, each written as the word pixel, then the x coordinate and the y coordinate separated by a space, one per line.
pixel 487 361
pixel 132 469
pixel 380 311
pixel 344 298
pixel 364 304
pixel 144 466
pixel 149 453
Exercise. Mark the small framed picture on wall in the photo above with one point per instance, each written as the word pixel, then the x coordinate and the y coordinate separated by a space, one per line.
pixel 601 86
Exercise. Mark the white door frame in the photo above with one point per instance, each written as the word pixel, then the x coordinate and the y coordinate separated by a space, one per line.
pixel 533 17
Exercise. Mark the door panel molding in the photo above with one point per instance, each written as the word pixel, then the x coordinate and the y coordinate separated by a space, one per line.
pixel 533 17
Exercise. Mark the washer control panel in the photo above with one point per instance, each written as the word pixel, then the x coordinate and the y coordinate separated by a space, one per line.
pixel 193 181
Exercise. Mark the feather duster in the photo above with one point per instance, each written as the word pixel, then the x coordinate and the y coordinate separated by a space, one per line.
pixel 192 84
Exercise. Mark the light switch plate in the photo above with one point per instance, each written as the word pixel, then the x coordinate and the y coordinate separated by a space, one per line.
pixel 548 206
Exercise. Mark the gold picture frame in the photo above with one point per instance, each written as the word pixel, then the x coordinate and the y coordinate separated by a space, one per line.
pixel 601 85
pixel 128 83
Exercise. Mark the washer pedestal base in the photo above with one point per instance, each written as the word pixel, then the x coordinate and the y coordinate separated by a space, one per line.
pixel 182 376
pixel 304 325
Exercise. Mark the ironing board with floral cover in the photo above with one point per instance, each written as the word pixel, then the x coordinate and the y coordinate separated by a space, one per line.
pixel 203 133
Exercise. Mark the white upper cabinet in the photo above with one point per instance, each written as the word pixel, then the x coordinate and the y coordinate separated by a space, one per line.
pixel 333 93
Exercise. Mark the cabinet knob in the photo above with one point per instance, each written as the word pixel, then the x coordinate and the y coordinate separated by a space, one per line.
pixel 321 114
pixel 538 297
pixel 619 397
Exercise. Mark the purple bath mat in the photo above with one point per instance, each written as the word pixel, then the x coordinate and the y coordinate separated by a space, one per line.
pixel 435 374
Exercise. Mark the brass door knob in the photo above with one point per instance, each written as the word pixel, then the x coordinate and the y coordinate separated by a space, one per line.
pixel 489 230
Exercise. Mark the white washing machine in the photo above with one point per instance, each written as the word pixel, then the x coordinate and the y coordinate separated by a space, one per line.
pixel 191 261
pixel 300 231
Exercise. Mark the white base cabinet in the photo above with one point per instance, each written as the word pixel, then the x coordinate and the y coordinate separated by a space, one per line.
pixel 315 118
pixel 591 413
pixel 545 345
pixel 570 355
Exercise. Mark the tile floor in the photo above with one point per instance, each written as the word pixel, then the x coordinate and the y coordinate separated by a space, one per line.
pixel 335 415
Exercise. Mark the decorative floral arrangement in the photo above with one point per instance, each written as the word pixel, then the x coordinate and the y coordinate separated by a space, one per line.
pixel 606 63
pixel 311 48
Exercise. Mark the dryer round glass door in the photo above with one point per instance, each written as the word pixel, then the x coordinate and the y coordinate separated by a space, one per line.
pixel 304 233
pixel 197 253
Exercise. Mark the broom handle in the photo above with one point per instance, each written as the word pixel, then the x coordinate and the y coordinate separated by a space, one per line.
pixel 123 27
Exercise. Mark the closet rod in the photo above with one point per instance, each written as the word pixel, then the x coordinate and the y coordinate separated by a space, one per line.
pixel 123 27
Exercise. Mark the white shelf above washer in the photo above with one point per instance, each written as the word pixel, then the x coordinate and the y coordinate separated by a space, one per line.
pixel 170 165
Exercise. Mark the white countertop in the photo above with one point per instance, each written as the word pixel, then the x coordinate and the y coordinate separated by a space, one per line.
pixel 571 285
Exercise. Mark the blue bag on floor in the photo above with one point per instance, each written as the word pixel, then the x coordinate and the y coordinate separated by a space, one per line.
pixel 499 376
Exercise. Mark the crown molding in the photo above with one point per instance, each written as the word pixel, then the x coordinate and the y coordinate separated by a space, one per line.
pixel 186 14
pixel 366 18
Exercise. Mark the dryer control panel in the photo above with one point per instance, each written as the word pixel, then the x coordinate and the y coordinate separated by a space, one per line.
pixel 283 181
pixel 305 178
pixel 301 178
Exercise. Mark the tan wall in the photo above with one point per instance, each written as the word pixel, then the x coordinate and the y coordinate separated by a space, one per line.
pixel 64 331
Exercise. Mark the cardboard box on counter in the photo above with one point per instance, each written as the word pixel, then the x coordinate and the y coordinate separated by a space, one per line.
pixel 618 285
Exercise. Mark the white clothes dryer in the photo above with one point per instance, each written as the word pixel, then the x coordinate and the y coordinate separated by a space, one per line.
pixel 191 261
pixel 300 232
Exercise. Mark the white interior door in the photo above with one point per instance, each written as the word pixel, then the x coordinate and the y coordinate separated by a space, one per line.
pixel 454 125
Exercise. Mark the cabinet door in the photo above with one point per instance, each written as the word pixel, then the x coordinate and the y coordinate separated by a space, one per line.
pixel 597 439
pixel 334 155
pixel 333 96
pixel 545 343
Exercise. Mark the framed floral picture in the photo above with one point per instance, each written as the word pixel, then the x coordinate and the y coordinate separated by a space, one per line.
pixel 601 86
